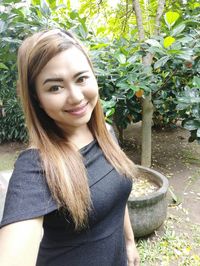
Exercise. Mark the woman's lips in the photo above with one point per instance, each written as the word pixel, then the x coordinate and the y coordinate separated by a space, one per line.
pixel 78 110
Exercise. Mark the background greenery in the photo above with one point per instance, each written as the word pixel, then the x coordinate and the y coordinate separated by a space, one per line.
pixel 111 35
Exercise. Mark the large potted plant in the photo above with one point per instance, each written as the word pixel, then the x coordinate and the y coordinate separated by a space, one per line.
pixel 148 210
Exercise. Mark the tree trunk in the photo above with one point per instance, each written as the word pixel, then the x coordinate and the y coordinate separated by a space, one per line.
pixel 147 106
pixel 147 115
pixel 121 134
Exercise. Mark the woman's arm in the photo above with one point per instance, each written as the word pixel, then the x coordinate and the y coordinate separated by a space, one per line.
pixel 132 253
pixel 19 243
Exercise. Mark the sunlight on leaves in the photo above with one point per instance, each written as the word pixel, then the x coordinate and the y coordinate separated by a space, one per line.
pixel 171 18
pixel 168 41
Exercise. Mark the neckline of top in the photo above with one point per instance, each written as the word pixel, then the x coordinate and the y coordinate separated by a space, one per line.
pixel 80 150
pixel 84 148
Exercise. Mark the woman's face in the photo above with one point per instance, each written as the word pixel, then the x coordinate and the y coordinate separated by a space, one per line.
pixel 67 89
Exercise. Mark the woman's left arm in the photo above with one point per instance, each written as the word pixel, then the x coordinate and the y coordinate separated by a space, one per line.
pixel 132 253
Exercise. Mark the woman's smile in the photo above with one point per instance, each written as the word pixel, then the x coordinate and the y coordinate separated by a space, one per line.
pixel 78 111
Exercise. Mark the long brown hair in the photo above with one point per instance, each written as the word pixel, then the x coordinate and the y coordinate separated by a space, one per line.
pixel 62 163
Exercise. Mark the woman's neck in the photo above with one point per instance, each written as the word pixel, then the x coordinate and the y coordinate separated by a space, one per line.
pixel 80 137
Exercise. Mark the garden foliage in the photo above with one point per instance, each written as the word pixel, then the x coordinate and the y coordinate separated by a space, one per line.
pixel 173 78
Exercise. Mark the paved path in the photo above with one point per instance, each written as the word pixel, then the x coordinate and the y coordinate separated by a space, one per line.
pixel 4 179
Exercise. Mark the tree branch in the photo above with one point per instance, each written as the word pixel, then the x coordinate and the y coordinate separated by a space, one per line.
pixel 147 59
pixel 129 12
pixel 127 15
pixel 138 14
pixel 160 9
pixel 165 82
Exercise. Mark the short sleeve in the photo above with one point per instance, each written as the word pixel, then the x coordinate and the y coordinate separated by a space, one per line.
pixel 28 194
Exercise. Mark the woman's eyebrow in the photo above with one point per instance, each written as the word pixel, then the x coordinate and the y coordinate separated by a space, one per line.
pixel 80 73
pixel 52 80
pixel 61 79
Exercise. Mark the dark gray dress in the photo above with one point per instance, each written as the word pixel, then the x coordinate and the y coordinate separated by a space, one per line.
pixel 102 243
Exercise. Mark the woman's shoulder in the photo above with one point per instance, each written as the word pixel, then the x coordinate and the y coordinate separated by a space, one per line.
pixel 28 195
pixel 28 177
pixel 29 156
pixel 27 168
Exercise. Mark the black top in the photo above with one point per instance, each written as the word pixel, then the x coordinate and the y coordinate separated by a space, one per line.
pixel 102 243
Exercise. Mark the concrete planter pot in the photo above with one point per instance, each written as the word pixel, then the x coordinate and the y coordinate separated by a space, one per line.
pixel 147 213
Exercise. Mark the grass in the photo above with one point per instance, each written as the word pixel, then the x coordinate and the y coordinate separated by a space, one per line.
pixel 174 248
pixel 7 161
pixel 191 157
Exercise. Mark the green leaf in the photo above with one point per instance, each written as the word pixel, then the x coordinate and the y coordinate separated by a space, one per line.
pixel 171 18
pixel 122 85
pixel 177 30
pixel 188 99
pixel 2 66
pixel 121 58
pixel 133 58
pixel 185 56
pixel 133 88
pixel 45 8
pixel 186 39
pixel 110 112
pixel 191 124
pixel 11 1
pixel 196 5
pixel 196 81
pixel 181 106
pixel 35 2
pixel 161 62
pixel 168 41
pixel 175 52
pixel 52 3
pixel 2 26
pixel 195 111
pixel 198 133
pixel 11 40
pixel 101 29
pixel 153 42
pixel 99 45
pixel 73 15
pixel 173 195
pixel 158 50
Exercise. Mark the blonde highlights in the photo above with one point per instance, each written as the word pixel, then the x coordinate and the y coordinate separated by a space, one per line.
pixel 62 163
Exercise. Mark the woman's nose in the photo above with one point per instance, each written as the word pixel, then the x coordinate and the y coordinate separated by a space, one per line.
pixel 75 95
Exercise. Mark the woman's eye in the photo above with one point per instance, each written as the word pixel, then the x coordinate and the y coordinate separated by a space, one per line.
pixel 55 88
pixel 82 79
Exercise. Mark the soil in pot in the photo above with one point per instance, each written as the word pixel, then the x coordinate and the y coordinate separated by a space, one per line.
pixel 143 186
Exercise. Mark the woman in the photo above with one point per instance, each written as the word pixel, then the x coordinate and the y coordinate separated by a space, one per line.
pixel 73 180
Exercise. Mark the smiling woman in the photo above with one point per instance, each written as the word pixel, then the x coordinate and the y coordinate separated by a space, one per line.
pixel 73 180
